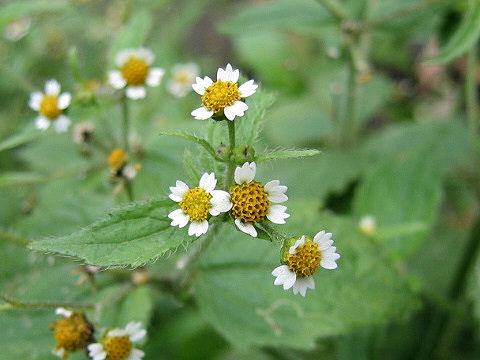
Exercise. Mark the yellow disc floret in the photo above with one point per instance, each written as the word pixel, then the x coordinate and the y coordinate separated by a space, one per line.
pixel 117 347
pixel 135 71
pixel 49 107
pixel 306 259
pixel 117 159
pixel 219 95
pixel 196 204
pixel 72 333
pixel 250 202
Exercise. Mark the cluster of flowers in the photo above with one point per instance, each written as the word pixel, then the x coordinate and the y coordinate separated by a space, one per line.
pixel 248 202
pixel 73 332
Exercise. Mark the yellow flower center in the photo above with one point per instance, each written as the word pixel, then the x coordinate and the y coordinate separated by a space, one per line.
pixel 219 95
pixel 73 333
pixel 196 203
pixel 250 202
pixel 118 347
pixel 135 71
pixel 49 107
pixel 117 159
pixel 306 260
pixel 182 78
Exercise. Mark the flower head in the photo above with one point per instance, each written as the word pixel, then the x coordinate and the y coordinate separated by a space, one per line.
pixel 254 202
pixel 182 79
pixel 118 344
pixel 50 106
pixel 368 225
pixel 72 332
pixel 198 204
pixel 83 132
pixel 224 96
pixel 301 258
pixel 117 161
pixel 135 71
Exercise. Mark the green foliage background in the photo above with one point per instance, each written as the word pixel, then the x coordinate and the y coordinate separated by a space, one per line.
pixel 401 293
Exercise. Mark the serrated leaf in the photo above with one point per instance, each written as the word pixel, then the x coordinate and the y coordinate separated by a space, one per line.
pixel 464 38
pixel 190 168
pixel 130 236
pixel 286 154
pixel 235 290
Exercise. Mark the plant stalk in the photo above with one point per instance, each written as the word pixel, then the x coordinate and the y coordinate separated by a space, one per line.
pixel 471 94
pixel 231 162
pixel 335 8
pixel 17 304
pixel 126 121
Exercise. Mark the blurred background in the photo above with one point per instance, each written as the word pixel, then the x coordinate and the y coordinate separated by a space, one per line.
pixel 397 183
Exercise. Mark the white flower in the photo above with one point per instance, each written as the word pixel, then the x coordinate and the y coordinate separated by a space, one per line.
pixel 303 260
pixel 64 312
pixel 83 132
pixel 198 204
pixel 17 29
pixel 253 202
pixel 368 225
pixel 50 106
pixel 135 72
pixel 222 96
pixel 182 79
pixel 121 340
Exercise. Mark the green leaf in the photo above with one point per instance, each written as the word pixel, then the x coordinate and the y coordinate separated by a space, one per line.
pixel 190 167
pixel 133 34
pixel 464 38
pixel 8 179
pixel 235 290
pixel 19 139
pixel 286 154
pixel 202 142
pixel 130 236
pixel 17 9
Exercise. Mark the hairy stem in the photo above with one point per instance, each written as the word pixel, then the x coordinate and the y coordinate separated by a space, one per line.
pixel 471 94
pixel 17 304
pixel 231 162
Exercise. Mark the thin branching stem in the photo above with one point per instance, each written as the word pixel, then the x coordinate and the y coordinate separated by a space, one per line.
pixel 335 8
pixel 18 304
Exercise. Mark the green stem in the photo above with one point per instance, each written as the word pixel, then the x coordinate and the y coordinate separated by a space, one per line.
pixel 471 93
pixel 126 121
pixel 13 238
pixel 273 232
pixel 129 188
pixel 335 8
pixel 17 304
pixel 349 128
pixel 231 162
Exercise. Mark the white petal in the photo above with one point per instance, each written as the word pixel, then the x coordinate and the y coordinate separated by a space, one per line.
pixel 64 100
pixel 246 227
pixel 245 173
pixel 280 270
pixel 146 55
pixel 208 182
pixel 276 191
pixel 220 201
pixel 64 312
pixel 298 243
pixel 228 74
pixel 201 84
pixel 35 100
pixel 179 218
pixel 135 331
pixel 52 87
pixel 238 108
pixel 277 214
pixel 247 89
pixel 135 354
pixel 123 56
pixel 61 124
pixel 289 281
pixel 61 352
pixel 96 351
pixel 302 284
pixel 198 228
pixel 154 76
pixel 323 240
pixel 42 123
pixel 117 333
pixel 202 113
pixel 178 191
pixel 136 92
pixel 328 264
pixel 116 80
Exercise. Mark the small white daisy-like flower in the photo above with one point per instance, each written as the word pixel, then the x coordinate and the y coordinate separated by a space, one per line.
pixel 368 225
pixel 182 79
pixel 135 72
pixel 83 132
pixel 302 259
pixel 224 96
pixel 50 106
pixel 118 344
pixel 254 202
pixel 198 204
pixel 17 29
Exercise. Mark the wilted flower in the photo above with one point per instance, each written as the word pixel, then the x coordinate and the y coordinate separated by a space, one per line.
pixel 254 202
pixel 302 258
pixel 72 332
pixel 118 344
pixel 224 96
pixel 83 132
pixel 135 72
pixel 182 79
pixel 50 107
pixel 198 204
